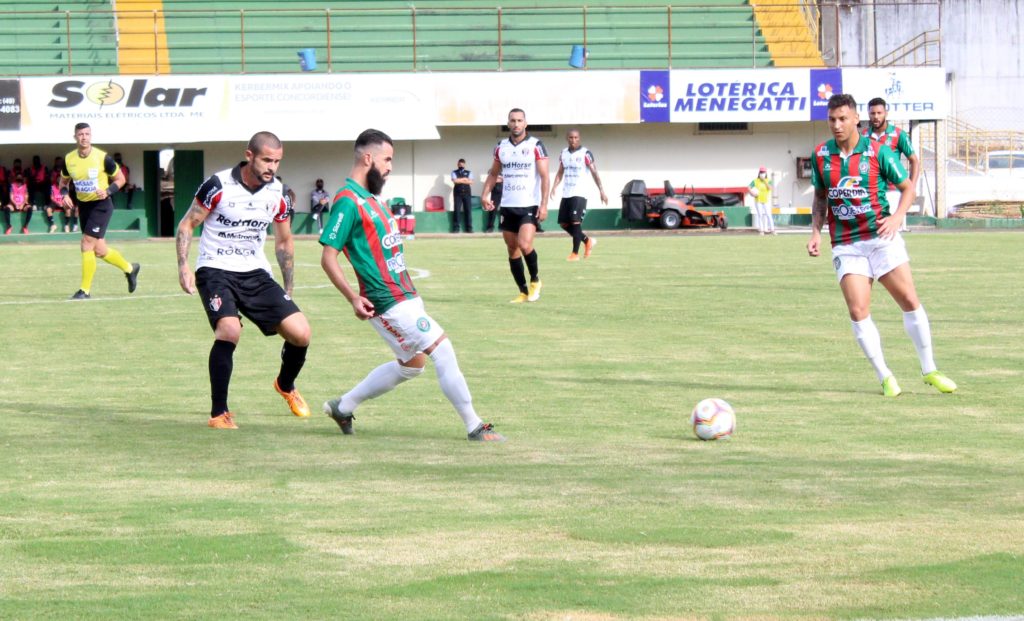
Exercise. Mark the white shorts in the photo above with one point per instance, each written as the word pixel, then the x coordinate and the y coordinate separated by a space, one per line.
pixel 873 258
pixel 407 328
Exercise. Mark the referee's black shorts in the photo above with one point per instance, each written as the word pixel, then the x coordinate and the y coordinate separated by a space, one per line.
pixel 94 217
pixel 255 294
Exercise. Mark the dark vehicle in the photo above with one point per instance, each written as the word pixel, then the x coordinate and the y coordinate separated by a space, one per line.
pixel 672 210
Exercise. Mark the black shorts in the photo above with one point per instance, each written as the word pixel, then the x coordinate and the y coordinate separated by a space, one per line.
pixel 94 216
pixel 572 209
pixel 254 294
pixel 41 198
pixel 511 218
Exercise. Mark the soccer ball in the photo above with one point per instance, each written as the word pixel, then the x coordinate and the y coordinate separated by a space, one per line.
pixel 713 419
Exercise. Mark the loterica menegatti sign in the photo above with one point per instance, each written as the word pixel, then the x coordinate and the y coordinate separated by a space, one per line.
pixel 785 95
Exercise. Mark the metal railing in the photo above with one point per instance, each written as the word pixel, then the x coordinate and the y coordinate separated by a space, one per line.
pixel 968 146
pixel 924 50
pixel 388 39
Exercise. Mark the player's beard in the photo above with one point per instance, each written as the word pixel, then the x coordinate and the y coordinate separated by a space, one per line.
pixel 374 179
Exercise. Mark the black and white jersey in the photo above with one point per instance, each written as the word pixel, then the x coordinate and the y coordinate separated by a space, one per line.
pixel 574 165
pixel 519 171
pixel 236 229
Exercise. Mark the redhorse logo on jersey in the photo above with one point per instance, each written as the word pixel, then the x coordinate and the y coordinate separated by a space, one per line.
pixel 848 188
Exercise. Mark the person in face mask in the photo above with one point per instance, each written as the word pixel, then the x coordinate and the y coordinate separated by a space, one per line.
pixel 462 212
pixel 320 203
pixel 761 190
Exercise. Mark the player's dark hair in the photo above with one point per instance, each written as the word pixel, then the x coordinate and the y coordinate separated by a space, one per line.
pixel 262 140
pixel 372 136
pixel 842 99
pixel 79 126
pixel 461 161
pixel 878 101
pixel 517 110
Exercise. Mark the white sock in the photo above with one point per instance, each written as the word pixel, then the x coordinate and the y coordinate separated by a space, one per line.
pixel 376 383
pixel 870 342
pixel 453 383
pixel 919 330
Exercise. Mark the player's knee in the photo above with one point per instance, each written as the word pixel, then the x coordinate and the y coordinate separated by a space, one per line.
pixel 409 372
pixel 228 330
pixel 295 329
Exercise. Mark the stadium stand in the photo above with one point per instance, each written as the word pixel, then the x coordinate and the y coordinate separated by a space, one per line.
pixel 73 37
pixel 264 36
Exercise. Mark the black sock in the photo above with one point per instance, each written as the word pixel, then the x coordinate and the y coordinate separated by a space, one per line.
pixel 26 217
pixel 531 264
pixel 518 273
pixel 49 218
pixel 292 359
pixel 576 230
pixel 221 363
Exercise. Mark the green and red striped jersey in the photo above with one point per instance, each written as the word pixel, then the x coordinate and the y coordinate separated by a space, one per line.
pixel 361 227
pixel 855 186
pixel 893 137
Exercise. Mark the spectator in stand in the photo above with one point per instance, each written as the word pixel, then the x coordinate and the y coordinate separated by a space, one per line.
pixel 54 205
pixel 5 183
pixel 129 187
pixel 38 179
pixel 57 202
pixel 18 201
pixel 320 203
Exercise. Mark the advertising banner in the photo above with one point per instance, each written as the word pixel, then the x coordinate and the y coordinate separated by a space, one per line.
pixel 189 109
pixel 740 95
pixel 786 95
pixel 911 93
pixel 655 96
pixel 10 105
pixel 824 84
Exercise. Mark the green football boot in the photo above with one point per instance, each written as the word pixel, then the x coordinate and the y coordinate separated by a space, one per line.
pixel 890 388
pixel 940 381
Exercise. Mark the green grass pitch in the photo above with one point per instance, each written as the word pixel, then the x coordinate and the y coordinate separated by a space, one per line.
pixel 117 502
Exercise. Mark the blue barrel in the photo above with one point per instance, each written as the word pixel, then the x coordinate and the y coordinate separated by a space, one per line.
pixel 307 59
pixel 578 57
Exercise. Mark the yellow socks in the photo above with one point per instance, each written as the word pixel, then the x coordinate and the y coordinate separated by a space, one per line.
pixel 88 270
pixel 114 258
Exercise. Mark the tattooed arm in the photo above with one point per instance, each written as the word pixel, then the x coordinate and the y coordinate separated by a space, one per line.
pixel 819 209
pixel 195 216
pixel 284 247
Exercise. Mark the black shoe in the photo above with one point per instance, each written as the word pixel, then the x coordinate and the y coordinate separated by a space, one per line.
pixel 344 419
pixel 133 277
pixel 79 295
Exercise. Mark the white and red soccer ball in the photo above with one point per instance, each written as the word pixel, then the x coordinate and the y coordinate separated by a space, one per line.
pixel 713 419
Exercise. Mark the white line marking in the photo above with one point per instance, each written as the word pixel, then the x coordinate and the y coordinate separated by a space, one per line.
pixel 416 273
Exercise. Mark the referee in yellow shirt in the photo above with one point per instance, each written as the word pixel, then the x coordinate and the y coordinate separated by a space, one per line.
pixel 96 176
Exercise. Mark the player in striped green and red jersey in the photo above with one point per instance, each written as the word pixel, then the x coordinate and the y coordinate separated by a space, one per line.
pixel 855 184
pixel 849 174
pixel 361 227
pixel 879 129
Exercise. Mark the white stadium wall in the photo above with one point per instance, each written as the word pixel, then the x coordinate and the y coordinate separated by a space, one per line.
pixel 640 124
